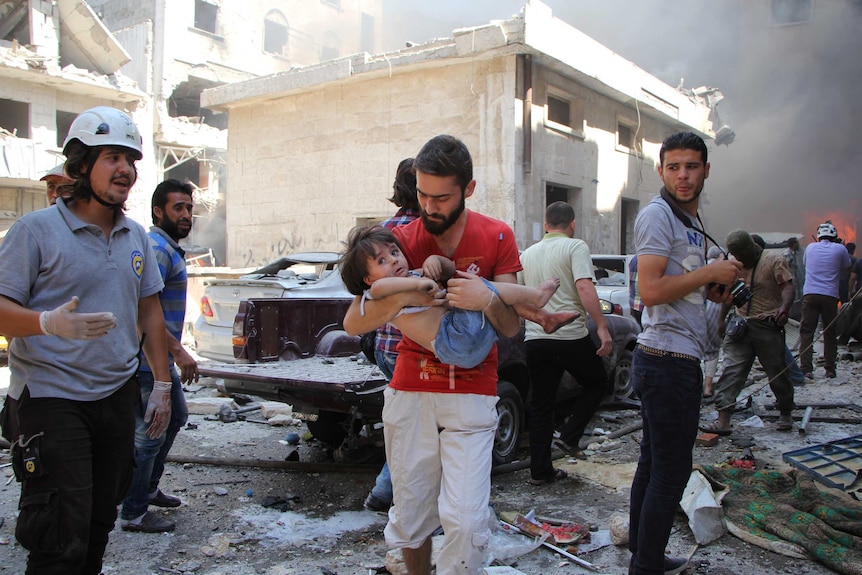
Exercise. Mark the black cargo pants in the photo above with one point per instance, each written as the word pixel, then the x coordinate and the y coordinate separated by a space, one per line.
pixel 75 469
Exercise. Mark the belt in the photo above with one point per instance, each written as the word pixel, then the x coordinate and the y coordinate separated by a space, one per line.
pixel 664 353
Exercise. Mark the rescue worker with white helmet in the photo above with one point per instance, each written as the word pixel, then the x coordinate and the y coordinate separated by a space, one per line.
pixel 89 286
pixel 824 261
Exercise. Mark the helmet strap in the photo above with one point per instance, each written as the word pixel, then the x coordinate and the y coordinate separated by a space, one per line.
pixel 93 193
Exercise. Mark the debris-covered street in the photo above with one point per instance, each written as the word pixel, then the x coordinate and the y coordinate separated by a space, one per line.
pixel 240 519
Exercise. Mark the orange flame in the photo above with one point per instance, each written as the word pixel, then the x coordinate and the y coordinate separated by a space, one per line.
pixel 842 222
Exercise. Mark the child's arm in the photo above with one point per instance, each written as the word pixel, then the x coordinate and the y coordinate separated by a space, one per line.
pixel 438 268
pixel 385 287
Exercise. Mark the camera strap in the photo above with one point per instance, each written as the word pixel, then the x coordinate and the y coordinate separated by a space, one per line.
pixel 683 217
pixel 753 271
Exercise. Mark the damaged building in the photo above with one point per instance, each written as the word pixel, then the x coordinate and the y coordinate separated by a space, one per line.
pixel 182 47
pixel 547 112
pixel 56 60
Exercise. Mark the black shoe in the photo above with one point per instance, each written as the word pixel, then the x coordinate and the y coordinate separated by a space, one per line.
pixel 149 523
pixel 672 565
pixel 830 373
pixel 574 451
pixel 376 504
pixel 162 500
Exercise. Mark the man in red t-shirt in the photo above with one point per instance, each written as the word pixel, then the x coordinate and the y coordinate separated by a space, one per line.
pixel 440 420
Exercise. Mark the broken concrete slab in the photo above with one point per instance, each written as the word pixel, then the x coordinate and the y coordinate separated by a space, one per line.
pixel 616 476
pixel 209 405
pixel 283 419
pixel 270 409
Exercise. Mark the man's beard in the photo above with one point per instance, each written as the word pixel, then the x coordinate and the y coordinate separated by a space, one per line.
pixel 440 224
pixel 172 229
pixel 688 201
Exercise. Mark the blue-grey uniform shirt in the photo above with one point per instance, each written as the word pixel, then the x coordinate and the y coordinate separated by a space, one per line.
pixel 47 257
pixel 678 326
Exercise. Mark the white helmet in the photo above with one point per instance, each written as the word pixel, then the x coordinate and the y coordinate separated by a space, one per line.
pixel 826 230
pixel 104 126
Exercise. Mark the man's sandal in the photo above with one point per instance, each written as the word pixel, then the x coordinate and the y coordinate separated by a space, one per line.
pixel 715 427
pixel 558 475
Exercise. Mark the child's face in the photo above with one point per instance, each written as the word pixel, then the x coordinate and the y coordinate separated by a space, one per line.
pixel 388 261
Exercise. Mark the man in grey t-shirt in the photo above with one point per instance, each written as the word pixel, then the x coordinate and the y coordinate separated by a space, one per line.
pixel 89 286
pixel 672 280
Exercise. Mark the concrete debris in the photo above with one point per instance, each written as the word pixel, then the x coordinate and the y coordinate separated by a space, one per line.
pixel 220 545
pixel 618 525
pixel 272 408
pixel 209 405
pixel 283 419
pixel 189 567
pixel 706 440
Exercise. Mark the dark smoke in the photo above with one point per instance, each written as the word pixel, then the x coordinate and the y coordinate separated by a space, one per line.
pixel 790 91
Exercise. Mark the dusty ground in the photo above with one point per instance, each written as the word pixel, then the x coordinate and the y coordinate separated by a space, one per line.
pixel 222 527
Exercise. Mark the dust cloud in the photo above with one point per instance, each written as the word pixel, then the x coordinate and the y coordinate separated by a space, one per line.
pixel 790 91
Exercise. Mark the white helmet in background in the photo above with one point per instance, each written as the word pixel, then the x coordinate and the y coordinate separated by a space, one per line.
pixel 105 126
pixel 827 230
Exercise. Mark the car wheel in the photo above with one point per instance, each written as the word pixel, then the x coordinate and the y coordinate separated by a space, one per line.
pixel 510 423
pixel 623 385
pixel 330 427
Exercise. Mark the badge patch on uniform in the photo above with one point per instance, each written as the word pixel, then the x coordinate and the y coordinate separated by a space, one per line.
pixel 137 263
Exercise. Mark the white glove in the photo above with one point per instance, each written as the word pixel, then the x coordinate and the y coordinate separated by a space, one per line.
pixel 158 409
pixel 64 322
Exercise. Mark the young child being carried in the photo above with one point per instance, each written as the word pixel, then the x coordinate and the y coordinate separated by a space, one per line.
pixel 374 267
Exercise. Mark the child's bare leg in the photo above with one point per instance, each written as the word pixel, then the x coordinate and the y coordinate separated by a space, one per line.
pixel 515 294
pixel 550 321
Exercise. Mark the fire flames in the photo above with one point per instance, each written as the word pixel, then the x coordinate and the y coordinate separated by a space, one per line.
pixel 842 221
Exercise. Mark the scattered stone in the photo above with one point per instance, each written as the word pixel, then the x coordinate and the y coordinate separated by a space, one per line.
pixel 292 438
pixel 283 419
pixel 220 491
pixel 706 440
pixel 209 405
pixel 272 408
pixel 189 567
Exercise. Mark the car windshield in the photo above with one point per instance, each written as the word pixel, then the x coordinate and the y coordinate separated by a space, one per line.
pixel 610 271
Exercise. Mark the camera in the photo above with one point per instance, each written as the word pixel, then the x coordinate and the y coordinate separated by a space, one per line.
pixel 741 293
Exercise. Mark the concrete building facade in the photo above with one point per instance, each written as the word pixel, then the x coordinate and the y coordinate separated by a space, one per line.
pixel 56 60
pixel 180 47
pixel 548 114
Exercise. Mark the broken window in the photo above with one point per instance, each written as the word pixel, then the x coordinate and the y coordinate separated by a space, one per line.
pixel 64 122
pixel 275 33
pixel 790 11
pixel 330 47
pixel 14 22
pixel 186 101
pixel 205 16
pixel 15 117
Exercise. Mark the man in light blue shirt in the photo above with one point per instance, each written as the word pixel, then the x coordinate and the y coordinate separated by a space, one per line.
pixel 824 261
